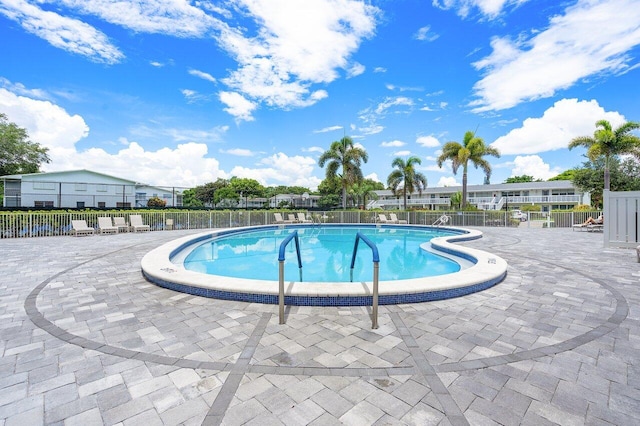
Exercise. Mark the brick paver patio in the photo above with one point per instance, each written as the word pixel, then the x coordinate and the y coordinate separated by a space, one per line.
pixel 85 340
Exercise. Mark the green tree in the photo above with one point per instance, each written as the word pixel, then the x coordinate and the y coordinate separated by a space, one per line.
pixel 364 190
pixel 344 156
pixel 249 188
pixel 405 179
pixel 329 190
pixel 189 198
pixel 624 176
pixel 521 179
pixel 17 153
pixel 566 175
pixel 472 149
pixel 456 200
pixel 209 193
pixel 609 143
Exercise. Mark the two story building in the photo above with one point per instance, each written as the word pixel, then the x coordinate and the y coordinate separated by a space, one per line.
pixel 551 195
pixel 81 189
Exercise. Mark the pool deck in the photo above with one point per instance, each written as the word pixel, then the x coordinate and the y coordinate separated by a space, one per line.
pixel 86 340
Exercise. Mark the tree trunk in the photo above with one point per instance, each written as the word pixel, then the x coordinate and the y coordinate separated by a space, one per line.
pixel 607 183
pixel 344 197
pixel 464 189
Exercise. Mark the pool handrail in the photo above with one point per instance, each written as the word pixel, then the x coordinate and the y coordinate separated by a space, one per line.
pixel 281 258
pixel 376 270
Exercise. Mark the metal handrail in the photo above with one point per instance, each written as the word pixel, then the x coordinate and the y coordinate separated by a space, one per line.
pixel 376 267
pixel 281 256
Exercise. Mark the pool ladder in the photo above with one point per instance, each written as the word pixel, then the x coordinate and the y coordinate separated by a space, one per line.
pixel 359 236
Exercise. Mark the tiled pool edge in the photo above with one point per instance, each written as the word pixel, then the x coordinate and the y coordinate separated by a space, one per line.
pixel 487 271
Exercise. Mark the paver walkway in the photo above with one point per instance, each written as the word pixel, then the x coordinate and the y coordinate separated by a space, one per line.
pixel 85 340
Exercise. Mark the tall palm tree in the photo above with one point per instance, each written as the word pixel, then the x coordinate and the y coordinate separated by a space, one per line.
pixel 405 178
pixel 609 143
pixel 472 149
pixel 345 156
pixel 363 190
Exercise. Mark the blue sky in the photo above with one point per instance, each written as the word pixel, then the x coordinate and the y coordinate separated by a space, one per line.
pixel 180 93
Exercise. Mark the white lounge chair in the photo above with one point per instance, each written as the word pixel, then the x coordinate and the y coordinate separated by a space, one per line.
pixel 303 219
pixel 394 218
pixel 278 218
pixel 121 224
pixel 136 223
pixel 80 227
pixel 292 218
pixel 105 226
pixel 382 218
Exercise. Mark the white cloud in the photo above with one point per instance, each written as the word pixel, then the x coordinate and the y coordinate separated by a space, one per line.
pixel 565 120
pixel 379 70
pixel 54 128
pixel 203 75
pixel 579 44
pixel 240 152
pixel 371 130
pixel 355 70
pixel 238 106
pixel 448 181
pixel 392 144
pixel 404 153
pixel 424 34
pixel 280 169
pixel 313 149
pixel 428 141
pixel 373 176
pixel 393 102
pixel 533 165
pixel 328 129
pixel 65 33
pixel 489 8
pixel 156 64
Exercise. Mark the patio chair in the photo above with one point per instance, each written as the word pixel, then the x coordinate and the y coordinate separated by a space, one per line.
pixel 80 227
pixel 303 219
pixel 105 226
pixel 278 218
pixel 394 218
pixel 121 224
pixel 382 218
pixel 136 223
pixel 292 218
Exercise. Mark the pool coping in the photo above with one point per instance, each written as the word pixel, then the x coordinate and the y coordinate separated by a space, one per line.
pixel 487 270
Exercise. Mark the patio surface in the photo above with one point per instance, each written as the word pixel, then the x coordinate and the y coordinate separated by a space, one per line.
pixel 85 340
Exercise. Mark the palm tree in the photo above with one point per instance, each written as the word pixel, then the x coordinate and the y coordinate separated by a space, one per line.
pixel 344 155
pixel 406 175
pixel 472 149
pixel 609 143
pixel 362 190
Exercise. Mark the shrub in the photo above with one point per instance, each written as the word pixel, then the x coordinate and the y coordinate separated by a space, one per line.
pixel 156 202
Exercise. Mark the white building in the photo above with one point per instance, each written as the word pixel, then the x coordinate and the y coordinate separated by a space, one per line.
pixel 551 195
pixel 81 189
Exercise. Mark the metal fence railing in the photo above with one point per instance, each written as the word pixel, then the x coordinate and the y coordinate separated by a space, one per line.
pixel 49 223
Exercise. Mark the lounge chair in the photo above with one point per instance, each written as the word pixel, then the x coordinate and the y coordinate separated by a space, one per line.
pixel 105 226
pixel 80 227
pixel 278 218
pixel 292 218
pixel 121 224
pixel 303 219
pixel 382 218
pixel 394 218
pixel 168 225
pixel 136 223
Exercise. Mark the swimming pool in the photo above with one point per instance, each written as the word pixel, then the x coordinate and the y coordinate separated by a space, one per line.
pixel 165 267
pixel 326 254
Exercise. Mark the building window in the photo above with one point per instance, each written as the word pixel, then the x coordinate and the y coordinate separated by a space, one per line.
pixel 80 204
pixel 123 205
pixel 81 186
pixel 101 205
pixel 44 185
pixel 42 204
pixel 101 188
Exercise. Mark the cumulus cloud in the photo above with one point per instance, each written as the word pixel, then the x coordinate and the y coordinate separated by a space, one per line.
pixel 240 152
pixel 355 70
pixel 281 169
pixel 568 51
pixel 62 32
pixel 328 129
pixel 565 120
pixel 533 165
pixel 448 181
pixel 404 153
pixel 428 141
pixel 392 144
pixel 238 105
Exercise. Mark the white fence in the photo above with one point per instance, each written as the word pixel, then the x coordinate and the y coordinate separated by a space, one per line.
pixel 621 211
pixel 49 223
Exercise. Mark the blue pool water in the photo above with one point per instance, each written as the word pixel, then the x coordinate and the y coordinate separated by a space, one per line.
pixel 326 254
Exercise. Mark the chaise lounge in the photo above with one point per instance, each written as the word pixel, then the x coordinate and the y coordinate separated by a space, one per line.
pixel 80 227
pixel 136 223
